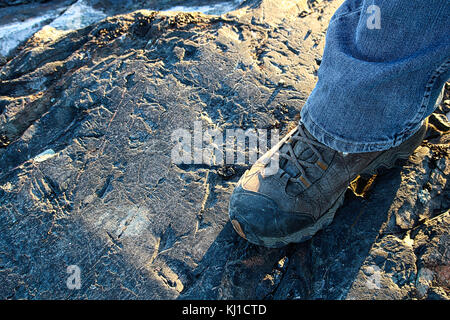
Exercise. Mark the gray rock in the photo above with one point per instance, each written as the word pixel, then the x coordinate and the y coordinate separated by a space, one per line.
pixel 5 3
pixel 19 20
pixel 108 198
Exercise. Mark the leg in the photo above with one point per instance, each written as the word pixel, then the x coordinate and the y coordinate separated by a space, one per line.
pixel 378 81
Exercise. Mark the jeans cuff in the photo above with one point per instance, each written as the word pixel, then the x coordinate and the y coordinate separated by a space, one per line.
pixel 342 145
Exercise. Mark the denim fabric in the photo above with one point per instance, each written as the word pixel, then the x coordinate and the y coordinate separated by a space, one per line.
pixel 377 85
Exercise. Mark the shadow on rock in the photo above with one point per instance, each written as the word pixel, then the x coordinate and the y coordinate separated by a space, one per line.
pixel 323 268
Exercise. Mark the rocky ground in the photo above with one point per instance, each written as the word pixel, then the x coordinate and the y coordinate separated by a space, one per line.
pixel 86 176
pixel 20 19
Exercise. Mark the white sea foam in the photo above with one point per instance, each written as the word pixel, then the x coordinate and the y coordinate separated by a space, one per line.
pixel 47 154
pixel 11 35
pixel 77 16
pixel 80 15
pixel 218 8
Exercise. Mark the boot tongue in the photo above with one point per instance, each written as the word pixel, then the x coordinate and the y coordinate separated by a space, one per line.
pixel 302 152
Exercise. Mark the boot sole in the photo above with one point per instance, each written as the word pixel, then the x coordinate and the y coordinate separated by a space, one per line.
pixel 388 159
pixel 385 160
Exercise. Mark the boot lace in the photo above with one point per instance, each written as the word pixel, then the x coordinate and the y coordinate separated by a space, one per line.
pixel 290 156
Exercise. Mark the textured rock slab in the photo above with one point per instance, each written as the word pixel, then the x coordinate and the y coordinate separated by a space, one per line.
pixel 105 99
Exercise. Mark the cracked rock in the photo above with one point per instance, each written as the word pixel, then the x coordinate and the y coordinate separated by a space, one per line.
pixel 87 179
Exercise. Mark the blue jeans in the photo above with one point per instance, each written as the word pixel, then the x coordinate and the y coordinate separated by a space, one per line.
pixel 382 71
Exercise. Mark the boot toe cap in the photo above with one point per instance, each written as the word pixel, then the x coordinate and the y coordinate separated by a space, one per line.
pixel 257 218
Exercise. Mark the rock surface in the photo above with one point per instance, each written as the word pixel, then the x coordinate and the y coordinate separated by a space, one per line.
pixel 86 177
pixel 20 19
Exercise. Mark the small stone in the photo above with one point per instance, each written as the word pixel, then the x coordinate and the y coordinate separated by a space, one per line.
pixel 45 155
pixel 179 53
pixel 424 196
pixel 423 283
pixel 440 121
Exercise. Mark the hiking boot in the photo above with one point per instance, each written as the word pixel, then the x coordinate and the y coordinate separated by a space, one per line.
pixel 302 196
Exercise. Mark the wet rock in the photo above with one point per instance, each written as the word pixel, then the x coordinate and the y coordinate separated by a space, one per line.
pixel 87 177
pixel 5 3
pixel 21 19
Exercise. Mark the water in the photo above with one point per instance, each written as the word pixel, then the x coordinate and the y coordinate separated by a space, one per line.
pixel 11 35
pixel 218 8
pixel 77 16
pixel 80 15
